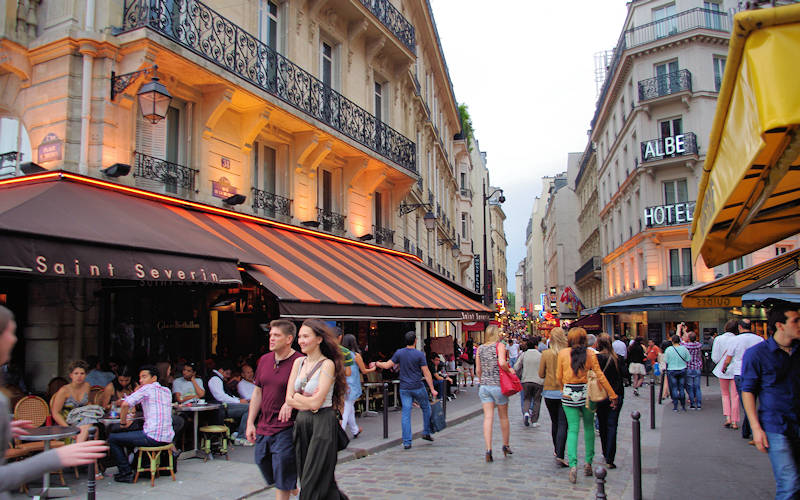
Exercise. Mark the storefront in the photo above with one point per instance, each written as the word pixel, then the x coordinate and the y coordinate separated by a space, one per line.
pixel 95 267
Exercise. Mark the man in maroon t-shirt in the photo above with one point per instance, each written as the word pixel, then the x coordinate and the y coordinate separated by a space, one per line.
pixel 274 451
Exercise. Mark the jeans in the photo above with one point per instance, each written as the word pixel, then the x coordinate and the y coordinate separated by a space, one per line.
pixel 608 419
pixel 746 431
pixel 439 386
pixel 117 442
pixel 421 397
pixel 693 388
pixel 532 400
pixel 677 381
pixel 575 416
pixel 558 427
pixel 784 455
pixel 239 411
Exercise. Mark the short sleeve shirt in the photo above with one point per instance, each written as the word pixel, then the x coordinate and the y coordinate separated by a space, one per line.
pixel 410 362
pixel 185 387
pixel 273 378
pixel 738 346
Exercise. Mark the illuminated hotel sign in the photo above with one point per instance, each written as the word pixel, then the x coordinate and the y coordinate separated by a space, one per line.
pixel 667 146
pixel 669 215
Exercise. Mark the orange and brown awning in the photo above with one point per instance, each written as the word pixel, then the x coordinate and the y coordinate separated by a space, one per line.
pixel 311 274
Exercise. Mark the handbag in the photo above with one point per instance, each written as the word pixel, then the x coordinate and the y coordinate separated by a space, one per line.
pixel 595 392
pixel 437 420
pixel 341 438
pixel 509 382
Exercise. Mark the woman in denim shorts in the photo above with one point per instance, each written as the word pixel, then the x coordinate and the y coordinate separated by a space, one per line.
pixel 493 357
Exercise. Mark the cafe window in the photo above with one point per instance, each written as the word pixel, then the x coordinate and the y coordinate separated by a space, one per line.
pixel 676 192
pixel 680 267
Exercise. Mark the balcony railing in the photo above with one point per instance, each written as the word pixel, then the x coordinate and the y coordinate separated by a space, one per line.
pixel 271 204
pixel 8 163
pixel 669 147
pixel 383 236
pixel 667 84
pixel 331 221
pixel 588 268
pixel 466 192
pixel 174 176
pixel 676 24
pixel 680 279
pixel 195 26
pixel 390 17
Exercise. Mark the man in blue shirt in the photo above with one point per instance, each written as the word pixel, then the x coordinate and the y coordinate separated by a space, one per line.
pixel 771 373
pixel 412 370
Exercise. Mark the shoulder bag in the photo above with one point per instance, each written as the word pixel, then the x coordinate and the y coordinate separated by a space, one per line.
pixel 509 382
pixel 595 391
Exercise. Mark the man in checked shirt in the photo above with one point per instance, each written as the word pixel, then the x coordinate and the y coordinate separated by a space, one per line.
pixel 156 402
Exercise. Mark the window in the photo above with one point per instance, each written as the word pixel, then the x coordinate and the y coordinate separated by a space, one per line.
pixel 264 177
pixel 328 64
pixel 671 128
pixel 161 141
pixel 735 265
pixel 464 225
pixel 326 194
pixel 668 79
pixel 782 249
pixel 676 192
pixel 713 15
pixel 463 180
pixel 665 22
pixel 379 101
pixel 268 23
pixel 680 267
pixel 719 71
pixel 378 209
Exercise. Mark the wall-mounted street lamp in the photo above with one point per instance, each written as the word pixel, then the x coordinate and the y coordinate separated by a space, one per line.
pixel 500 199
pixel 153 97
pixel 429 219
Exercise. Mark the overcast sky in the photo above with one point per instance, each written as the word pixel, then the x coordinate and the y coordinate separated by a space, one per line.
pixel 525 68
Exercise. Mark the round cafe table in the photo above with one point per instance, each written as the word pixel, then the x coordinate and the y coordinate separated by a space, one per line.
pixel 195 408
pixel 47 434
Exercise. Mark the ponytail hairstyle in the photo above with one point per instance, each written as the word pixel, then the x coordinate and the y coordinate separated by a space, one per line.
pixel 577 342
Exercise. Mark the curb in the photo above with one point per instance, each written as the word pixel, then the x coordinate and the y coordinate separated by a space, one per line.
pixel 357 453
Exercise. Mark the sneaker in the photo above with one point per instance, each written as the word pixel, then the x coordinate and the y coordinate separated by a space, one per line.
pixel 691 407
pixel 675 410
pixel 636 392
pixel 246 443
pixel 535 424
pixel 406 446
pixel 427 437
pixel 124 478
pixel 526 419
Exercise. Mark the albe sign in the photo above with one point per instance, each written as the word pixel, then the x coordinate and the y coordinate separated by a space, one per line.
pixel 667 146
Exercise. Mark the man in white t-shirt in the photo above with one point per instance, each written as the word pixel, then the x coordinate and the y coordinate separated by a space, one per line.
pixel 246 385
pixel 737 346
pixel 189 388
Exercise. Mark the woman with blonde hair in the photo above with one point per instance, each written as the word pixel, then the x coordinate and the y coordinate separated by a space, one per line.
pixel 574 364
pixel 493 357
pixel 551 392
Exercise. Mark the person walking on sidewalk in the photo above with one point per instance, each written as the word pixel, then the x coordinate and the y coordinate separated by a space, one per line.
pixel 770 373
pixel 274 449
pixel 636 367
pixel 528 365
pixel 493 357
pixel 574 364
pixel 693 371
pixel 676 359
pixel 733 363
pixel 316 388
pixel 608 416
pixel 468 362
pixel 727 387
pixel 413 369
pixel 551 392
pixel 353 385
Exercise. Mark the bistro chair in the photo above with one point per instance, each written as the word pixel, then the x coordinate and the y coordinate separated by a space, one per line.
pixel 94 394
pixel 215 438
pixel 154 454
pixel 376 392
pixel 36 410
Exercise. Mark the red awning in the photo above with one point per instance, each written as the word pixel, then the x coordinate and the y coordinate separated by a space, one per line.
pixel 592 322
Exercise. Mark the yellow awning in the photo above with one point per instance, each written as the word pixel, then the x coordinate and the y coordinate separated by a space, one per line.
pixel 749 195
pixel 728 291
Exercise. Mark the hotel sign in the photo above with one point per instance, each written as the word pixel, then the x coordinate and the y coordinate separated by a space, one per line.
pixel 666 146
pixel 669 215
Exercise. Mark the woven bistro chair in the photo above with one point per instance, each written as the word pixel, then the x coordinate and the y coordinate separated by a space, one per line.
pixel 36 410
pixel 94 394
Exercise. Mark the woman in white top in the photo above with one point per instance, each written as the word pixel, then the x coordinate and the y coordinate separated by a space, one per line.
pixel 730 398
pixel 317 387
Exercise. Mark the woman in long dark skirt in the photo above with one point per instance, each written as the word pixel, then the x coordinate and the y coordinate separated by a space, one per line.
pixel 317 387
pixel 608 415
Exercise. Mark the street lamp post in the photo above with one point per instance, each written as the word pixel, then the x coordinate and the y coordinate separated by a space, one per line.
pixel 486 296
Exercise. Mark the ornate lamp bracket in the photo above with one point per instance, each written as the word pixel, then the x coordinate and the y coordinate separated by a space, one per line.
pixel 121 82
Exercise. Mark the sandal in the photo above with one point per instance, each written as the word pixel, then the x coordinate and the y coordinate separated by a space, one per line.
pixel 99 476
pixel 734 427
pixel 726 425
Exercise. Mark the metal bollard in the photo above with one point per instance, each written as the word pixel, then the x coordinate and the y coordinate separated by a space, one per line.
pixel 637 456
pixel 444 398
pixel 90 484
pixel 652 402
pixel 600 475
pixel 385 410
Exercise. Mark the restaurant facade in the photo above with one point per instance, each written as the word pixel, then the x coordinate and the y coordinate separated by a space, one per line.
pixel 276 159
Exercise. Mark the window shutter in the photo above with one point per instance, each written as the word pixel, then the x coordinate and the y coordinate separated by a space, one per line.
pixel 151 140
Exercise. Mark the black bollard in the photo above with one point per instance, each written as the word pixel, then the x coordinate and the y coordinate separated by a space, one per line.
pixel 637 456
pixel 652 402
pixel 444 398
pixel 385 410
pixel 600 475
pixel 90 484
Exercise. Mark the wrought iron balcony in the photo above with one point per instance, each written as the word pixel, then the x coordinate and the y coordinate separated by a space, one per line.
pixel 390 17
pixel 198 28
pixel 430 197
pixel 669 147
pixel 590 268
pixel 8 163
pixel 678 23
pixel 174 176
pixel 663 85
pixel 680 279
pixel 383 236
pixel 271 204
pixel 331 221
pixel 466 192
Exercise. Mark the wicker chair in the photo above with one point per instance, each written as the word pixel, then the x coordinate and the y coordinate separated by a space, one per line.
pixel 94 394
pixel 36 410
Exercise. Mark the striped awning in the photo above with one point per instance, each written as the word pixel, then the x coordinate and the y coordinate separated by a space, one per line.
pixel 311 274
